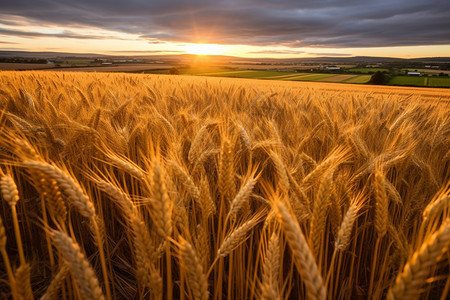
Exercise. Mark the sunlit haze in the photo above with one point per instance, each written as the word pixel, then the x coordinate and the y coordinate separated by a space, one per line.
pixel 246 28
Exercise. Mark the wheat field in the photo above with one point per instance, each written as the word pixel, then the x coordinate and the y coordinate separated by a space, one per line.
pixel 119 186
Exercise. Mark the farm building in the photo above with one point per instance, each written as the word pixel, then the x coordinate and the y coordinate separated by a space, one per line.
pixel 414 73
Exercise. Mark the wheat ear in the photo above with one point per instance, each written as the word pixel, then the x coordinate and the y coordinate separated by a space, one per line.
pixel 226 172
pixel 79 266
pixel 9 190
pixel 196 144
pixel 23 276
pixel 241 198
pixel 126 165
pixel 78 198
pixel 271 269
pixel 58 280
pixel 193 267
pixel 409 282
pixel 281 171
pixel 381 204
pixel 319 213
pixel 303 258
pixel 345 230
pixel 334 159
pixel 144 251
pixel 433 208
pixel 186 179
pixel 206 202
pixel 162 205
pixel 70 187
pixel 11 195
pixel 238 236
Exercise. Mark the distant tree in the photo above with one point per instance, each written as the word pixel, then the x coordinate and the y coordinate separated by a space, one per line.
pixel 174 71
pixel 379 78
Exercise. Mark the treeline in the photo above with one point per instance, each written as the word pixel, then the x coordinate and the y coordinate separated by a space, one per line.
pixel 23 60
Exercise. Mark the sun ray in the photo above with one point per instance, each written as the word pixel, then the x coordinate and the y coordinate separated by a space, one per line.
pixel 205 49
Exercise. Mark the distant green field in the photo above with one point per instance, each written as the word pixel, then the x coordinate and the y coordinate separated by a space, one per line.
pixel 312 77
pixel 201 70
pixel 358 79
pixel 421 81
pixel 439 81
pixel 408 80
pixel 368 70
pixel 256 74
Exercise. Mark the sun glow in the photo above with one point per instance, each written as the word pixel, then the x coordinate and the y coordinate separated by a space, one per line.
pixel 205 49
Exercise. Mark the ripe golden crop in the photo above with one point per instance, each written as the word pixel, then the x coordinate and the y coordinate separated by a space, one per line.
pixel 123 186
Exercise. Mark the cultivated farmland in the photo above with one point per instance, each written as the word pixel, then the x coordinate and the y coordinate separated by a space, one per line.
pixel 123 186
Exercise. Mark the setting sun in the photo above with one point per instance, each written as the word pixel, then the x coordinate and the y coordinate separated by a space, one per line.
pixel 205 49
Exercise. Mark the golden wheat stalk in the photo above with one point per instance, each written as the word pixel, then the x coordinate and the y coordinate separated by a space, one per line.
pixel 22 278
pixel 76 196
pixel 433 208
pixel 126 165
pixel 162 204
pixel 345 231
pixel 55 285
pixel 226 171
pixel 9 190
pixel 303 258
pixel 235 238
pixel 334 159
pixel 144 251
pixel 271 269
pixel 206 202
pixel 283 178
pixel 245 139
pixel 319 213
pixel 79 199
pixel 197 143
pixel 191 264
pixel 409 282
pixel 79 266
pixel 11 196
pixel 186 179
pixel 381 204
pixel 11 278
pixel 241 198
pixel 300 194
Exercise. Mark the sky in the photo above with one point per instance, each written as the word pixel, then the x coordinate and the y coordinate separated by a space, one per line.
pixel 247 28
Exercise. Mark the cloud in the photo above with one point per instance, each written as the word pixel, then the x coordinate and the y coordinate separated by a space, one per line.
pixel 292 23
pixel 330 54
pixel 66 34
pixel 147 51
pixel 293 52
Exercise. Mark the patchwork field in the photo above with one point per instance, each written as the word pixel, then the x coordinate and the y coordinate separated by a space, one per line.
pixel 421 81
pixel 138 186
pixel 321 77
pixel 368 70
pixel 117 68
pixel 338 78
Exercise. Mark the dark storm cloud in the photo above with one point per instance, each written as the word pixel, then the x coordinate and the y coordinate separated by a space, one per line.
pixel 293 23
